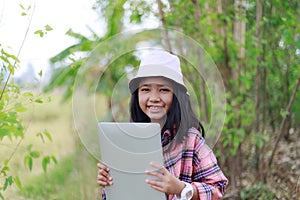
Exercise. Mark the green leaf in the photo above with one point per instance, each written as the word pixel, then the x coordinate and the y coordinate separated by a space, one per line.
pixel 1 196
pixel 29 147
pixel 6 161
pixel 48 28
pixel 27 94
pixel 17 182
pixel 41 135
pixel 241 133
pixel 47 134
pixel 284 113
pixel 8 182
pixel 259 143
pixel 39 32
pixel 26 160
pixel 4 170
pixel 30 163
pixel 40 73
pixel 11 68
pixel 39 100
pixel 35 154
pixel 14 58
pixel 3 132
pixel 45 162
pixel 79 36
pixel 22 6
pixel 54 159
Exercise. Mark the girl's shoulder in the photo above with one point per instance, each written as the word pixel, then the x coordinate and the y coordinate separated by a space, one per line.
pixel 196 142
pixel 195 135
pixel 195 132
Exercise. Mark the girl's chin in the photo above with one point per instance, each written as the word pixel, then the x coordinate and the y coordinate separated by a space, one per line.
pixel 157 118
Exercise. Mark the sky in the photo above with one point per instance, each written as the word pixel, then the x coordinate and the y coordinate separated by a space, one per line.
pixel 61 15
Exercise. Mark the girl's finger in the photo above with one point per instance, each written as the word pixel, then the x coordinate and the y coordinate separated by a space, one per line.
pixel 103 178
pixel 104 183
pixel 104 173
pixel 162 169
pixel 158 188
pixel 156 185
pixel 101 166
pixel 155 173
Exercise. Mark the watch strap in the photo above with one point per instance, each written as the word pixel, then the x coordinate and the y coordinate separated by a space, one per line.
pixel 186 193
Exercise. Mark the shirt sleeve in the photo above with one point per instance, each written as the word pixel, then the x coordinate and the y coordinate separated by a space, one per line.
pixel 207 175
pixel 103 193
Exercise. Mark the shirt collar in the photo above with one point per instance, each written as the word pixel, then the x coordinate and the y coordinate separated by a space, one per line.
pixel 166 137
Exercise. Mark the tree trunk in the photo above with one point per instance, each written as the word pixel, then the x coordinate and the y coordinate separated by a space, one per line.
pixel 220 11
pixel 203 95
pixel 239 30
pixel 224 67
pixel 284 121
pixel 239 34
pixel 164 30
pixel 287 126
pixel 209 22
pixel 258 86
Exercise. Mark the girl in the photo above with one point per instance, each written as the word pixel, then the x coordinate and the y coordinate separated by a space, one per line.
pixel 158 94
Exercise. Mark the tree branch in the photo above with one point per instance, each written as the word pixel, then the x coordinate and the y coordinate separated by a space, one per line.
pixel 19 52
pixel 288 108
pixel 163 21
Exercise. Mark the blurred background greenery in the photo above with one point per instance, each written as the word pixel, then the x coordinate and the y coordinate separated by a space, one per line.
pixel 255 47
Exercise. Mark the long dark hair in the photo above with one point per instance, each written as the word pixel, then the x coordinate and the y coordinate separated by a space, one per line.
pixel 180 118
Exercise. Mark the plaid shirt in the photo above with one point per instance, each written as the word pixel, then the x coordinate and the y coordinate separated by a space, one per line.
pixel 194 162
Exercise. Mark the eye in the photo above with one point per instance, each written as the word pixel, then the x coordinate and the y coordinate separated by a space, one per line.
pixel 144 89
pixel 165 90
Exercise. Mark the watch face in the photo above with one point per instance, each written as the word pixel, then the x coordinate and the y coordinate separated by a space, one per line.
pixel 187 192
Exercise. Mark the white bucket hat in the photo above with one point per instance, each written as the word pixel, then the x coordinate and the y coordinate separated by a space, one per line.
pixel 159 63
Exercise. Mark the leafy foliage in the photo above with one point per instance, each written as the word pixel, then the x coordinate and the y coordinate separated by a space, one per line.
pixel 260 192
pixel 13 102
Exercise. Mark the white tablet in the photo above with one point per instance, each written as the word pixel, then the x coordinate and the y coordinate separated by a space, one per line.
pixel 127 149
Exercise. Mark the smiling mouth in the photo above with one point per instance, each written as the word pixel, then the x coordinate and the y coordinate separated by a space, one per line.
pixel 155 108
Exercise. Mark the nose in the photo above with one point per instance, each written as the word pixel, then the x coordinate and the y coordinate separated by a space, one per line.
pixel 154 97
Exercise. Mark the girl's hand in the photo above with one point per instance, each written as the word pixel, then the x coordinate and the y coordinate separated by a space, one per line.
pixel 167 183
pixel 103 177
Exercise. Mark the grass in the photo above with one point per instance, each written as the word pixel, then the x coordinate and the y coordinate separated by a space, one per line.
pixel 66 180
pixel 41 186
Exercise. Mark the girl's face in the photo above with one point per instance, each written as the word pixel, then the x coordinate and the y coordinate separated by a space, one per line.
pixel 155 98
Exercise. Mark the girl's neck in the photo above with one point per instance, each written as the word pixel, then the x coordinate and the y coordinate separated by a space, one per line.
pixel 161 122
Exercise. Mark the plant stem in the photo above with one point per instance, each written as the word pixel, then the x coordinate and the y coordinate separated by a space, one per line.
pixel 19 52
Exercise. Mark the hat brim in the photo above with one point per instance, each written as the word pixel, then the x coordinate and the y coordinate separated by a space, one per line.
pixel 134 83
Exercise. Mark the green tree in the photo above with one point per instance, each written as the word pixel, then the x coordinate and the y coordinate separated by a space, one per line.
pixel 13 102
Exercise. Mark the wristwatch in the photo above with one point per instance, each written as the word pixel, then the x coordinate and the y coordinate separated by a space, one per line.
pixel 186 193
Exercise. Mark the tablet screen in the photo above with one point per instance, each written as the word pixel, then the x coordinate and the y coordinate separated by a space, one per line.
pixel 127 149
